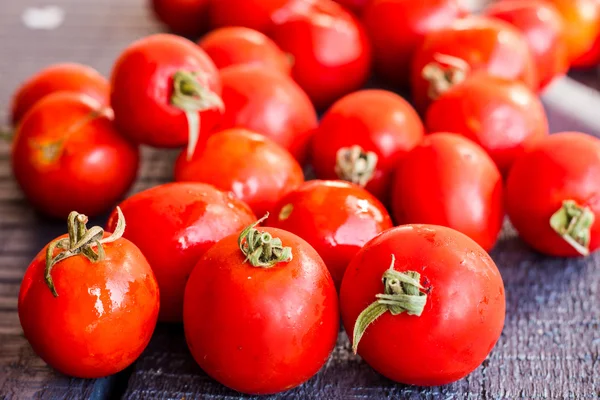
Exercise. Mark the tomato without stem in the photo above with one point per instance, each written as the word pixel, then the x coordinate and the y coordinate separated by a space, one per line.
pixel 67 156
pixel 331 51
pixel 356 6
pixel 184 17
pixel 430 335
pixel 591 58
pixel 504 117
pixel 336 218
pixel 255 14
pixel 553 195
pixel 258 321
pixel 254 168
pixel 270 104
pixel 165 92
pixel 64 77
pixel 89 311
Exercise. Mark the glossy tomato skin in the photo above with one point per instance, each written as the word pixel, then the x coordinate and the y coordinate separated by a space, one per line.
pixel 63 77
pixel 455 333
pixel 237 45
pixel 486 44
pixel 173 225
pixel 268 103
pixel 543 29
pixel 254 168
pixel 332 54
pixel 397 29
pixel 591 58
pixel 504 117
pixel 67 156
pixel 376 120
pixel 254 14
pixel 142 86
pixel 284 332
pixel 450 181
pixel 564 166
pixel 103 317
pixel 184 17
pixel 335 218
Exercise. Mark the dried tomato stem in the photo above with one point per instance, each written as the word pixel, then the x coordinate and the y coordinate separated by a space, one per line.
pixel 355 165
pixel 573 223
pixel 261 249
pixel 443 73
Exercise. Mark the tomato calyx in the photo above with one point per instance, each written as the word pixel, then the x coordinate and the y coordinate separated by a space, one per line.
pixel 81 241
pixel 354 164
pixel 191 97
pixel 573 223
pixel 261 249
pixel 402 293
pixel 443 73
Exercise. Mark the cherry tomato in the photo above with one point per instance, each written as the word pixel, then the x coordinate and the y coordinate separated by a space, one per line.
pixel 237 45
pixel 90 310
pixel 438 312
pixel 362 137
pixel 356 6
pixel 553 195
pixel 544 30
pixel 173 225
pixel 254 14
pixel 591 58
pixel 397 29
pixel 67 156
pixel 261 311
pixel 332 55
pixel 336 218
pixel 165 92
pixel 69 77
pixel 184 17
pixel 256 169
pixel 470 44
pixel 270 104
pixel 504 117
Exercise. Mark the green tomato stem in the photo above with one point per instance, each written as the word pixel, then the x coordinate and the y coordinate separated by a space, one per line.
pixel 573 223
pixel 261 249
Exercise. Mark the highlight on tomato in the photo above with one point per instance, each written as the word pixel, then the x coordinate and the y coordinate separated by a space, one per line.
pixel 183 17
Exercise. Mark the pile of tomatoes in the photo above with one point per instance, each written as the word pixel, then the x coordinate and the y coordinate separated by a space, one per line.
pixel 423 303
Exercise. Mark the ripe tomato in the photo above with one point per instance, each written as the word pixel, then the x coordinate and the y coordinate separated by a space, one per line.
pixel 67 156
pixel 165 92
pixel 173 225
pixel 261 311
pixel 397 29
pixel 69 77
pixel 356 6
pixel 88 305
pixel 553 195
pixel 362 136
pixel 543 29
pixel 336 218
pixel 445 298
pixel 504 117
pixel 270 104
pixel 450 181
pixel 184 17
pixel 256 169
pixel 591 58
pixel 254 14
pixel 237 45
pixel 470 44
pixel 332 55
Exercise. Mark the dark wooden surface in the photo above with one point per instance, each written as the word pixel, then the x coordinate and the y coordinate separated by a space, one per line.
pixel 550 347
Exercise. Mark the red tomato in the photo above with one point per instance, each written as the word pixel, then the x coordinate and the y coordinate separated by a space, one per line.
pixel 67 156
pixel 591 58
pixel 336 218
pixel 237 45
pixel 448 325
pixel 356 6
pixel 173 225
pixel 254 14
pixel 254 168
pixel 261 312
pixel 91 313
pixel 270 104
pixel 68 77
pixel 331 50
pixel 362 137
pixel 450 181
pixel 397 29
pixel 470 44
pixel 544 30
pixel 184 17
pixel 165 92
pixel 553 195
pixel 504 117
